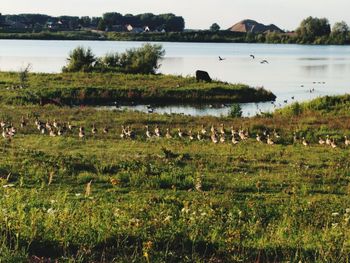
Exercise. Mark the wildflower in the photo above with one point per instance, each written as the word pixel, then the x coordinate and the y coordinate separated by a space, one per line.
pixel 347 210
pixel 78 194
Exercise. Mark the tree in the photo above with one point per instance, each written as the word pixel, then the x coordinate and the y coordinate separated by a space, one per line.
pixel 101 25
pixel 113 18
pixel 312 28
pixel 214 27
pixel 80 59
pixel 340 33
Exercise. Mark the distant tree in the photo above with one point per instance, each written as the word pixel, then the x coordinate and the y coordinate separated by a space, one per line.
pixel 113 18
pixel 312 28
pixel 80 59
pixel 340 33
pixel 101 25
pixel 85 21
pixel 214 27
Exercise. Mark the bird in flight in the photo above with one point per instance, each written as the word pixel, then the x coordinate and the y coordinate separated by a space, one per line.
pixel 252 56
pixel 220 58
pixel 264 61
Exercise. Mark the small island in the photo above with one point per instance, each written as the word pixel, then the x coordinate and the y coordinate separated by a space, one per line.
pixel 127 78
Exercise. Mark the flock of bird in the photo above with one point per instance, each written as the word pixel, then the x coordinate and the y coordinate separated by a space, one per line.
pixel 214 134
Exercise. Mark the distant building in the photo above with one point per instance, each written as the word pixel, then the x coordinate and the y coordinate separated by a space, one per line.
pixel 137 30
pixel 251 26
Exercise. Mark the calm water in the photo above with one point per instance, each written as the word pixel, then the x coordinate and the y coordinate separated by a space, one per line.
pixel 292 71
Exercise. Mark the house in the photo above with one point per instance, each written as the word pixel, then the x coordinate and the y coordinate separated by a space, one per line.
pixel 137 30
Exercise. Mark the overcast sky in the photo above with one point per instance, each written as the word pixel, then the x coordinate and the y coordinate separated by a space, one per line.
pixel 198 14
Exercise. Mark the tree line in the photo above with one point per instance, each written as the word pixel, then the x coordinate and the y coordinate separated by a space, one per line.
pixel 108 21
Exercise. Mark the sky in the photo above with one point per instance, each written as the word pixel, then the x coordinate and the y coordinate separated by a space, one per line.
pixel 198 14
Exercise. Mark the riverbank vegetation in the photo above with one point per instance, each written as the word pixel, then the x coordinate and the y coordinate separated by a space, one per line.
pixel 106 88
pixel 104 198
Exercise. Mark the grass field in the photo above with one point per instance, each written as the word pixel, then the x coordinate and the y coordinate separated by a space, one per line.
pixel 107 199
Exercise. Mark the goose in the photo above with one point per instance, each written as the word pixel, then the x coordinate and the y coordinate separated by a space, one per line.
pixel 212 129
pixel 190 135
pixel 157 131
pixel 333 144
pixel 242 135
pixel 52 133
pixel 199 136
pixel 328 141
pixel 234 141
pixel 295 138
pixel 214 139
pixel 258 137
pixel 167 134
pixel 2 124
pixel 55 124
pixel 203 130
pixel 48 125
pixel 94 129
pixel 304 142
pixel 130 133
pixel 70 126
pixel 81 132
pixel 123 133
pixel 269 141
pixel 105 130
pixel 180 133
pixel 347 141
pixel 277 136
pixel 60 132
pixel 23 122
pixel 222 138
pixel 148 133
pixel 222 129
pixel 321 141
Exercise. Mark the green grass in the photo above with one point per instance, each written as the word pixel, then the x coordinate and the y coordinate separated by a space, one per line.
pixel 200 203
pixel 99 88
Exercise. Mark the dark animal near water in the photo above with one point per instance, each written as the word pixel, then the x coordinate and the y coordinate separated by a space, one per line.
pixel 202 76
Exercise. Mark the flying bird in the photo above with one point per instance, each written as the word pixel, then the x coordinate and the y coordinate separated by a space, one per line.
pixel 220 58
pixel 252 56
pixel 264 61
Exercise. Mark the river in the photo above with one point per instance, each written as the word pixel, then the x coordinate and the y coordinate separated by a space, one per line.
pixel 293 72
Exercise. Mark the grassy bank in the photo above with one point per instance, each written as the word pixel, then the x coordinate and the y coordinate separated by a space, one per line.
pixel 98 88
pixel 156 200
pixel 48 35
pixel 331 105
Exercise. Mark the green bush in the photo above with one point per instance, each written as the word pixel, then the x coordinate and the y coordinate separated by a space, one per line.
pixel 143 60
pixel 80 59
pixel 236 110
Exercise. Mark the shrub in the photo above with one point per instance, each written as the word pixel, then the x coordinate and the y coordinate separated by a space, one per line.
pixel 236 110
pixel 80 59
pixel 143 60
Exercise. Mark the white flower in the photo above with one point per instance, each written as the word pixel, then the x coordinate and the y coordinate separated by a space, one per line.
pixel 77 194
